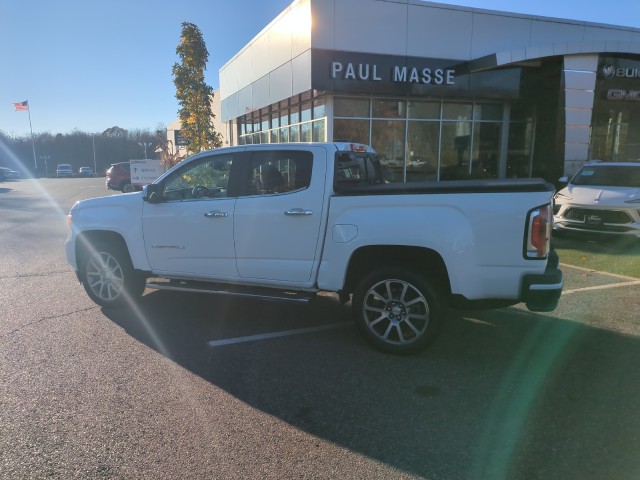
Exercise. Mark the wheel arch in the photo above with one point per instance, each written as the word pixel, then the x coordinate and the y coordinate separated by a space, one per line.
pixel 85 241
pixel 418 259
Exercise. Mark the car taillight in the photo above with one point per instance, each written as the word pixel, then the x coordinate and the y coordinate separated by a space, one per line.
pixel 538 236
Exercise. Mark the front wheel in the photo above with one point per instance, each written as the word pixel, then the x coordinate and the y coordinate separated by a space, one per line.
pixel 128 188
pixel 108 277
pixel 397 310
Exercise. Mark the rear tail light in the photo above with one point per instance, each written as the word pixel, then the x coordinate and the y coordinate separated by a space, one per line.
pixel 538 235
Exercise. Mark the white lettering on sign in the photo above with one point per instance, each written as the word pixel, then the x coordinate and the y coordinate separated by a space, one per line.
pixel 611 71
pixel 145 171
pixel 402 74
pixel 361 71
pixel 616 94
pixel 426 76
pixel 628 72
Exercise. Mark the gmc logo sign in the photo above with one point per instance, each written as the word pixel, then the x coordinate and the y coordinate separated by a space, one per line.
pixel 616 94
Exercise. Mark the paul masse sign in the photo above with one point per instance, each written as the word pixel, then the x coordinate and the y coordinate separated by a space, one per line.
pixel 398 73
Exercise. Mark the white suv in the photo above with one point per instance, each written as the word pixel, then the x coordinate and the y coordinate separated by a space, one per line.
pixel 64 170
pixel 603 197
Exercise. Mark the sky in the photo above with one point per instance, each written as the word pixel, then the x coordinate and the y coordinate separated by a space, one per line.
pixel 90 65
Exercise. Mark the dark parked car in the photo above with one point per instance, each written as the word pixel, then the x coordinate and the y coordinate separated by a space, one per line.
pixel 119 178
pixel 85 172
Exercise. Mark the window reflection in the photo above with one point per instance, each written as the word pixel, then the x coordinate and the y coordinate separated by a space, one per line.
pixel 423 145
pixel 387 138
pixel 356 131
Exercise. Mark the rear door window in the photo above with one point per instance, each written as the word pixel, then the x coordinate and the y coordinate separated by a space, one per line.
pixel 275 172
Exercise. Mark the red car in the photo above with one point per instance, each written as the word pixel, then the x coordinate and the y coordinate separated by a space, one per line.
pixel 119 178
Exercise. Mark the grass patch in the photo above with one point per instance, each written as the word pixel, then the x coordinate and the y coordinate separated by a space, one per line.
pixel 613 255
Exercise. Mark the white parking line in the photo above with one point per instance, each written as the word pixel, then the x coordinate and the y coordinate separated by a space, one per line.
pixel 591 270
pixel 333 326
pixel 285 333
pixel 601 287
pixel 632 281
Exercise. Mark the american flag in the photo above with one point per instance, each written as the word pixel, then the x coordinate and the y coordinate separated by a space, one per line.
pixel 21 105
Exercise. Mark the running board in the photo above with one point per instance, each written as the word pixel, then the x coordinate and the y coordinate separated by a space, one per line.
pixel 232 290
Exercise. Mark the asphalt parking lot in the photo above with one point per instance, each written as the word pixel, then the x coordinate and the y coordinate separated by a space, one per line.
pixel 192 386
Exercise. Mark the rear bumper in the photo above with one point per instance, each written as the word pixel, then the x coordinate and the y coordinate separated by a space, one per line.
pixel 541 292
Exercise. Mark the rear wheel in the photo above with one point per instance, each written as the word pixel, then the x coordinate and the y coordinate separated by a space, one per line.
pixel 397 310
pixel 108 276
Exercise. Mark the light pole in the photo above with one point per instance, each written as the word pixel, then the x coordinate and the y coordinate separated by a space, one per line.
pixel 46 165
pixel 95 168
pixel 145 145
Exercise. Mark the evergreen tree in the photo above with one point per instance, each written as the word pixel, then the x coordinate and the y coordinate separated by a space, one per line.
pixel 192 93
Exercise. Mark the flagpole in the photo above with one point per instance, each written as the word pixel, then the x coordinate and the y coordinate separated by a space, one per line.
pixel 33 143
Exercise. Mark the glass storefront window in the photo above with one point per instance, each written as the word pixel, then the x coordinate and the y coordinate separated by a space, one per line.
pixel 422 147
pixel 284 135
pixel 487 112
pixel 387 137
pixel 389 108
pixel 486 149
pixel 614 134
pixel 356 131
pixel 284 118
pixel 416 140
pixel 294 116
pixel 455 152
pixel 319 108
pixel 351 107
pixel 319 130
pixel 519 154
pixel 305 112
pixel 456 111
pixel 305 132
pixel 424 110
pixel 294 133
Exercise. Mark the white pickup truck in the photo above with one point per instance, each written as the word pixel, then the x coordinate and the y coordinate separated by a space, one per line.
pixel 284 221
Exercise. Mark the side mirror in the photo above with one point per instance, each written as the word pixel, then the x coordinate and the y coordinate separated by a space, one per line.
pixel 151 193
pixel 563 179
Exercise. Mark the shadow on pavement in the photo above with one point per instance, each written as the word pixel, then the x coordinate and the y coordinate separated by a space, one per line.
pixel 502 394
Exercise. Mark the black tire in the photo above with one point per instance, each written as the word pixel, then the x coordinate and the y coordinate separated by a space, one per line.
pixel 108 276
pixel 397 310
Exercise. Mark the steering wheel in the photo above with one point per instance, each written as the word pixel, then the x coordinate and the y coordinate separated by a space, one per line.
pixel 199 191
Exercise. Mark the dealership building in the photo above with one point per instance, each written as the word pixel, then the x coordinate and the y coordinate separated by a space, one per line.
pixel 440 91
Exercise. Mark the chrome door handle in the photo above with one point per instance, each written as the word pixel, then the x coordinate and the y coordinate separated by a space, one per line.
pixel 216 214
pixel 298 212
